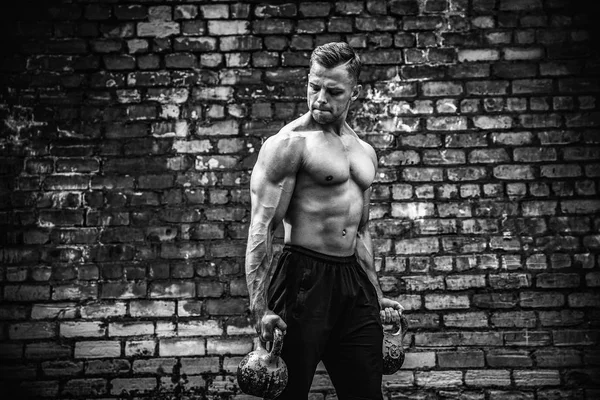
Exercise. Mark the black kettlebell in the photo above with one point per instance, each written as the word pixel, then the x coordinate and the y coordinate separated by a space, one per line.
pixel 263 373
pixel 393 350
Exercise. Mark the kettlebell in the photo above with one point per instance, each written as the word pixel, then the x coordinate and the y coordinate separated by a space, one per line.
pixel 263 373
pixel 393 351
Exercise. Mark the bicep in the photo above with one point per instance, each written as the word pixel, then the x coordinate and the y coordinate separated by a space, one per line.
pixel 273 180
pixel 364 221
pixel 269 198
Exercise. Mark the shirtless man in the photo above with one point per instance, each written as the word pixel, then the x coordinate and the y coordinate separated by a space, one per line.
pixel 315 176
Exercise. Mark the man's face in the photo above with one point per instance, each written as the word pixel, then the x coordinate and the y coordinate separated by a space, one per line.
pixel 329 93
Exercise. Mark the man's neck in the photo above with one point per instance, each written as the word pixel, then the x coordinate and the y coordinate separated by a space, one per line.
pixel 336 127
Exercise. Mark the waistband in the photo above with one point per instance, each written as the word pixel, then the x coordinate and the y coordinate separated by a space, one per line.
pixel 320 256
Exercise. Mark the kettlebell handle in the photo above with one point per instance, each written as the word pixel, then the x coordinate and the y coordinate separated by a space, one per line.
pixel 277 344
pixel 401 327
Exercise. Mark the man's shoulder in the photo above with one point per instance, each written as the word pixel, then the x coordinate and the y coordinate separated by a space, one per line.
pixel 293 133
pixel 365 145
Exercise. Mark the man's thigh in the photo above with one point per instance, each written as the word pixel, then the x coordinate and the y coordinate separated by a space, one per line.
pixel 355 364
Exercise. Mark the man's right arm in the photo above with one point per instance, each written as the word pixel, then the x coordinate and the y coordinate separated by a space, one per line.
pixel 271 186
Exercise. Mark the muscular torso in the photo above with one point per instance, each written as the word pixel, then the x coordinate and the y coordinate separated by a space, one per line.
pixel 327 203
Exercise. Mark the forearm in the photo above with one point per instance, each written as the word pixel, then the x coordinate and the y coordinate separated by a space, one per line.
pixel 259 257
pixel 364 253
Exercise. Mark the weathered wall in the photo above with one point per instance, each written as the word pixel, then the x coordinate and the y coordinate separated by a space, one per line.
pixel 129 132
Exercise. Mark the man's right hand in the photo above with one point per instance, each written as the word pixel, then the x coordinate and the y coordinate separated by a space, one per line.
pixel 266 324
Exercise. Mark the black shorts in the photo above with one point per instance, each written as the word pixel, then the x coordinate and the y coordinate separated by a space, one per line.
pixel 332 314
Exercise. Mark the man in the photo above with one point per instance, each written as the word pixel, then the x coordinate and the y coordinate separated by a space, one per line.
pixel 315 176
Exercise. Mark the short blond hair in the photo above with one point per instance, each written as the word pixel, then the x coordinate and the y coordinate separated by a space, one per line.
pixel 330 55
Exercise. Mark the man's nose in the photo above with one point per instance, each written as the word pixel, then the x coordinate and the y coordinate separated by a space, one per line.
pixel 322 96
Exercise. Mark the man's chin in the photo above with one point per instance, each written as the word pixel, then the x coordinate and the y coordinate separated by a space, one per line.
pixel 322 117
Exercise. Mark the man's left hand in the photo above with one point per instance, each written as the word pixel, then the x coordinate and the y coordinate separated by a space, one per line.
pixel 391 311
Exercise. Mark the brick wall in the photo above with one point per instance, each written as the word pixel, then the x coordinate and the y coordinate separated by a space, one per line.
pixel 129 133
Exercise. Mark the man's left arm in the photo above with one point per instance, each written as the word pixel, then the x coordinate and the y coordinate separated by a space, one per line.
pixel 390 309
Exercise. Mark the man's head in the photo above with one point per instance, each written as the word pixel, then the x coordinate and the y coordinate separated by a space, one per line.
pixel 331 55
pixel 332 82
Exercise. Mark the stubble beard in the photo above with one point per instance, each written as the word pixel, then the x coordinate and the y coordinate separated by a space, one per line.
pixel 323 118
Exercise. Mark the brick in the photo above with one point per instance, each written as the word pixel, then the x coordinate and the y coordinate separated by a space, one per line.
pixel 557 280
pixel 466 320
pixel 479 226
pixel 315 9
pixel 580 206
pixel 527 338
pixel 225 307
pixel 158 29
pixel 509 281
pixel 560 171
pixel 26 293
pixel 511 54
pixel 82 329
pixel 273 26
pixel 514 319
pixel 447 123
pixel 486 88
pixel 496 122
pixel 466 173
pixel 130 329
pixel 85 387
pixel 438 379
pixel 466 359
pixel 97 349
pixel 382 57
pixel 423 283
pixel 514 172
pixel 61 368
pixel 118 290
pixel 495 300
pixel 375 23
pixel 154 308
pixel 488 156
pixel 583 299
pixel 138 348
pixel 181 347
pixel 137 385
pixel 570 337
pixel 181 289
pixel 560 358
pixel 531 86
pixel 486 378
pixel 444 157
pixel 203 328
pixel 31 330
pixel 154 366
pixel 462 282
pixel 475 55
pixel 508 358
pixel 446 301
pixel 560 318
pixel 541 299
pixel 239 346
pixel 417 246
pixel 514 5
pixel 193 366
pixel 536 378
pixel 215 11
pixel 39 389
pixel 103 309
pixel 418 360
pixel 442 88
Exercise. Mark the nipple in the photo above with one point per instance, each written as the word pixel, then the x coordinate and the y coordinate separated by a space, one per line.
pixel 343 232
pixel 329 178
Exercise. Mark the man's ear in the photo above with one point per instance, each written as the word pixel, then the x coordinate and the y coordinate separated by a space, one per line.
pixel 356 92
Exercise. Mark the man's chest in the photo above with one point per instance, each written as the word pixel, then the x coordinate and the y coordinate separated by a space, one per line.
pixel 335 161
